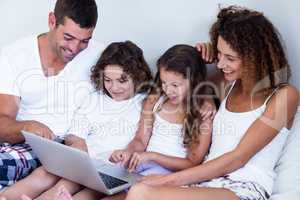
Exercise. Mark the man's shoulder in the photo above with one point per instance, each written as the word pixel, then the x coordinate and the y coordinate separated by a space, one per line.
pixel 21 50
pixel 23 42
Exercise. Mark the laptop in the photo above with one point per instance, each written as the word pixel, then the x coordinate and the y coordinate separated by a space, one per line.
pixel 76 165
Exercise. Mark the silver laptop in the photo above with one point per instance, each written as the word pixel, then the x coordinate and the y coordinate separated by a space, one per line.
pixel 77 166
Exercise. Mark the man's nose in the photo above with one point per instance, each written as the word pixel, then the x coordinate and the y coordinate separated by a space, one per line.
pixel 75 47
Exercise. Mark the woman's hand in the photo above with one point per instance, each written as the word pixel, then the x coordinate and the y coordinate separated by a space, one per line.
pixel 206 51
pixel 138 158
pixel 208 109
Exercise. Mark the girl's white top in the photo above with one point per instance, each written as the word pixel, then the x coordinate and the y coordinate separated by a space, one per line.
pixel 167 137
pixel 106 124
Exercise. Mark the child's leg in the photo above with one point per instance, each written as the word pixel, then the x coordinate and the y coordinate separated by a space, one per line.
pixel 69 186
pixel 33 185
pixel 62 194
pixel 119 196
pixel 88 194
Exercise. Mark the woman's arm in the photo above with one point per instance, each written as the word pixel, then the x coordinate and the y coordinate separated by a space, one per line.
pixel 279 113
pixel 195 155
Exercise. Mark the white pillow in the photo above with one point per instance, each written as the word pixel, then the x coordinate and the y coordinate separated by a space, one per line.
pixel 287 182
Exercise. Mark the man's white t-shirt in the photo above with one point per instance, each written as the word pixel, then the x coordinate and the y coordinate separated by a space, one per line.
pixel 106 124
pixel 49 100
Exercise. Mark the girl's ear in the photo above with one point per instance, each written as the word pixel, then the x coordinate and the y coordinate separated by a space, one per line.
pixel 51 21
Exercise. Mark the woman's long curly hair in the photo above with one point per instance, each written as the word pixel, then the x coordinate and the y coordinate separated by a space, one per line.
pixel 186 61
pixel 130 58
pixel 257 42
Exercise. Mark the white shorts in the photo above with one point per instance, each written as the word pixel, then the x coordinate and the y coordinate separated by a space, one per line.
pixel 244 190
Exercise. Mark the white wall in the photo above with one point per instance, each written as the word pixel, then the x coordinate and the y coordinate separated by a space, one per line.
pixel 154 25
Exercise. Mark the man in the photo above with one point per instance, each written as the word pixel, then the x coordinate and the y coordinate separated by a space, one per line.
pixel 42 80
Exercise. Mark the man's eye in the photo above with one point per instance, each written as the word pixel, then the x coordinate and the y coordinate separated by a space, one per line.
pixel 67 39
pixel 123 80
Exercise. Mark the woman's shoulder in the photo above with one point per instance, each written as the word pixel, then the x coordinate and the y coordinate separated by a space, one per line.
pixel 285 98
pixel 286 92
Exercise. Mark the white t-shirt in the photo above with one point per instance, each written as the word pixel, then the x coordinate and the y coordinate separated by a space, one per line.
pixel 106 124
pixel 49 100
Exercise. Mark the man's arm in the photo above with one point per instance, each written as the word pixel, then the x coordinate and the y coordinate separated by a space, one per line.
pixel 10 128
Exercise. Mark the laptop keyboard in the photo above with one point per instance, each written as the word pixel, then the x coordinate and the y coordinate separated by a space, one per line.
pixel 111 182
pixel 59 139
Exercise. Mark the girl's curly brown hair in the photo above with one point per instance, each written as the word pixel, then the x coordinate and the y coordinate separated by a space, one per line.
pixel 130 58
pixel 257 42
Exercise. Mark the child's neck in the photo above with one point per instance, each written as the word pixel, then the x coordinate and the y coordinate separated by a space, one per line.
pixel 173 113
pixel 179 108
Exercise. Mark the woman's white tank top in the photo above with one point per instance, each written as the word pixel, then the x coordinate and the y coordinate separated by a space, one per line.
pixel 167 137
pixel 228 130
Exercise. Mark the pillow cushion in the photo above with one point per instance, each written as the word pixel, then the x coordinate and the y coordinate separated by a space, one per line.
pixel 287 182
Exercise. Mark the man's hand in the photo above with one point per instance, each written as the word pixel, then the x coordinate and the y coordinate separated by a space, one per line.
pixel 38 129
pixel 76 142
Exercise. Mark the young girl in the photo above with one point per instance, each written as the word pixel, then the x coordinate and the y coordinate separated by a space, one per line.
pixel 180 137
pixel 252 123
pixel 106 120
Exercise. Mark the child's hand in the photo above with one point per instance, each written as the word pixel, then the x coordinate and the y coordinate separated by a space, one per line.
pixel 208 109
pixel 206 51
pixel 120 156
pixel 138 158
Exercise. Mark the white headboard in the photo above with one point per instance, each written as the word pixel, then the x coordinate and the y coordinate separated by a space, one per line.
pixel 154 25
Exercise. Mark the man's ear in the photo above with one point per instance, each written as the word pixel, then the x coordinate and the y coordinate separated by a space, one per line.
pixel 51 21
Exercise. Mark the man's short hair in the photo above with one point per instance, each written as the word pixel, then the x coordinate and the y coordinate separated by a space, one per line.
pixel 82 12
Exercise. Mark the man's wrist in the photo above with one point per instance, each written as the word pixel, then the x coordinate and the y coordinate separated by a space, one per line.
pixel 23 125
